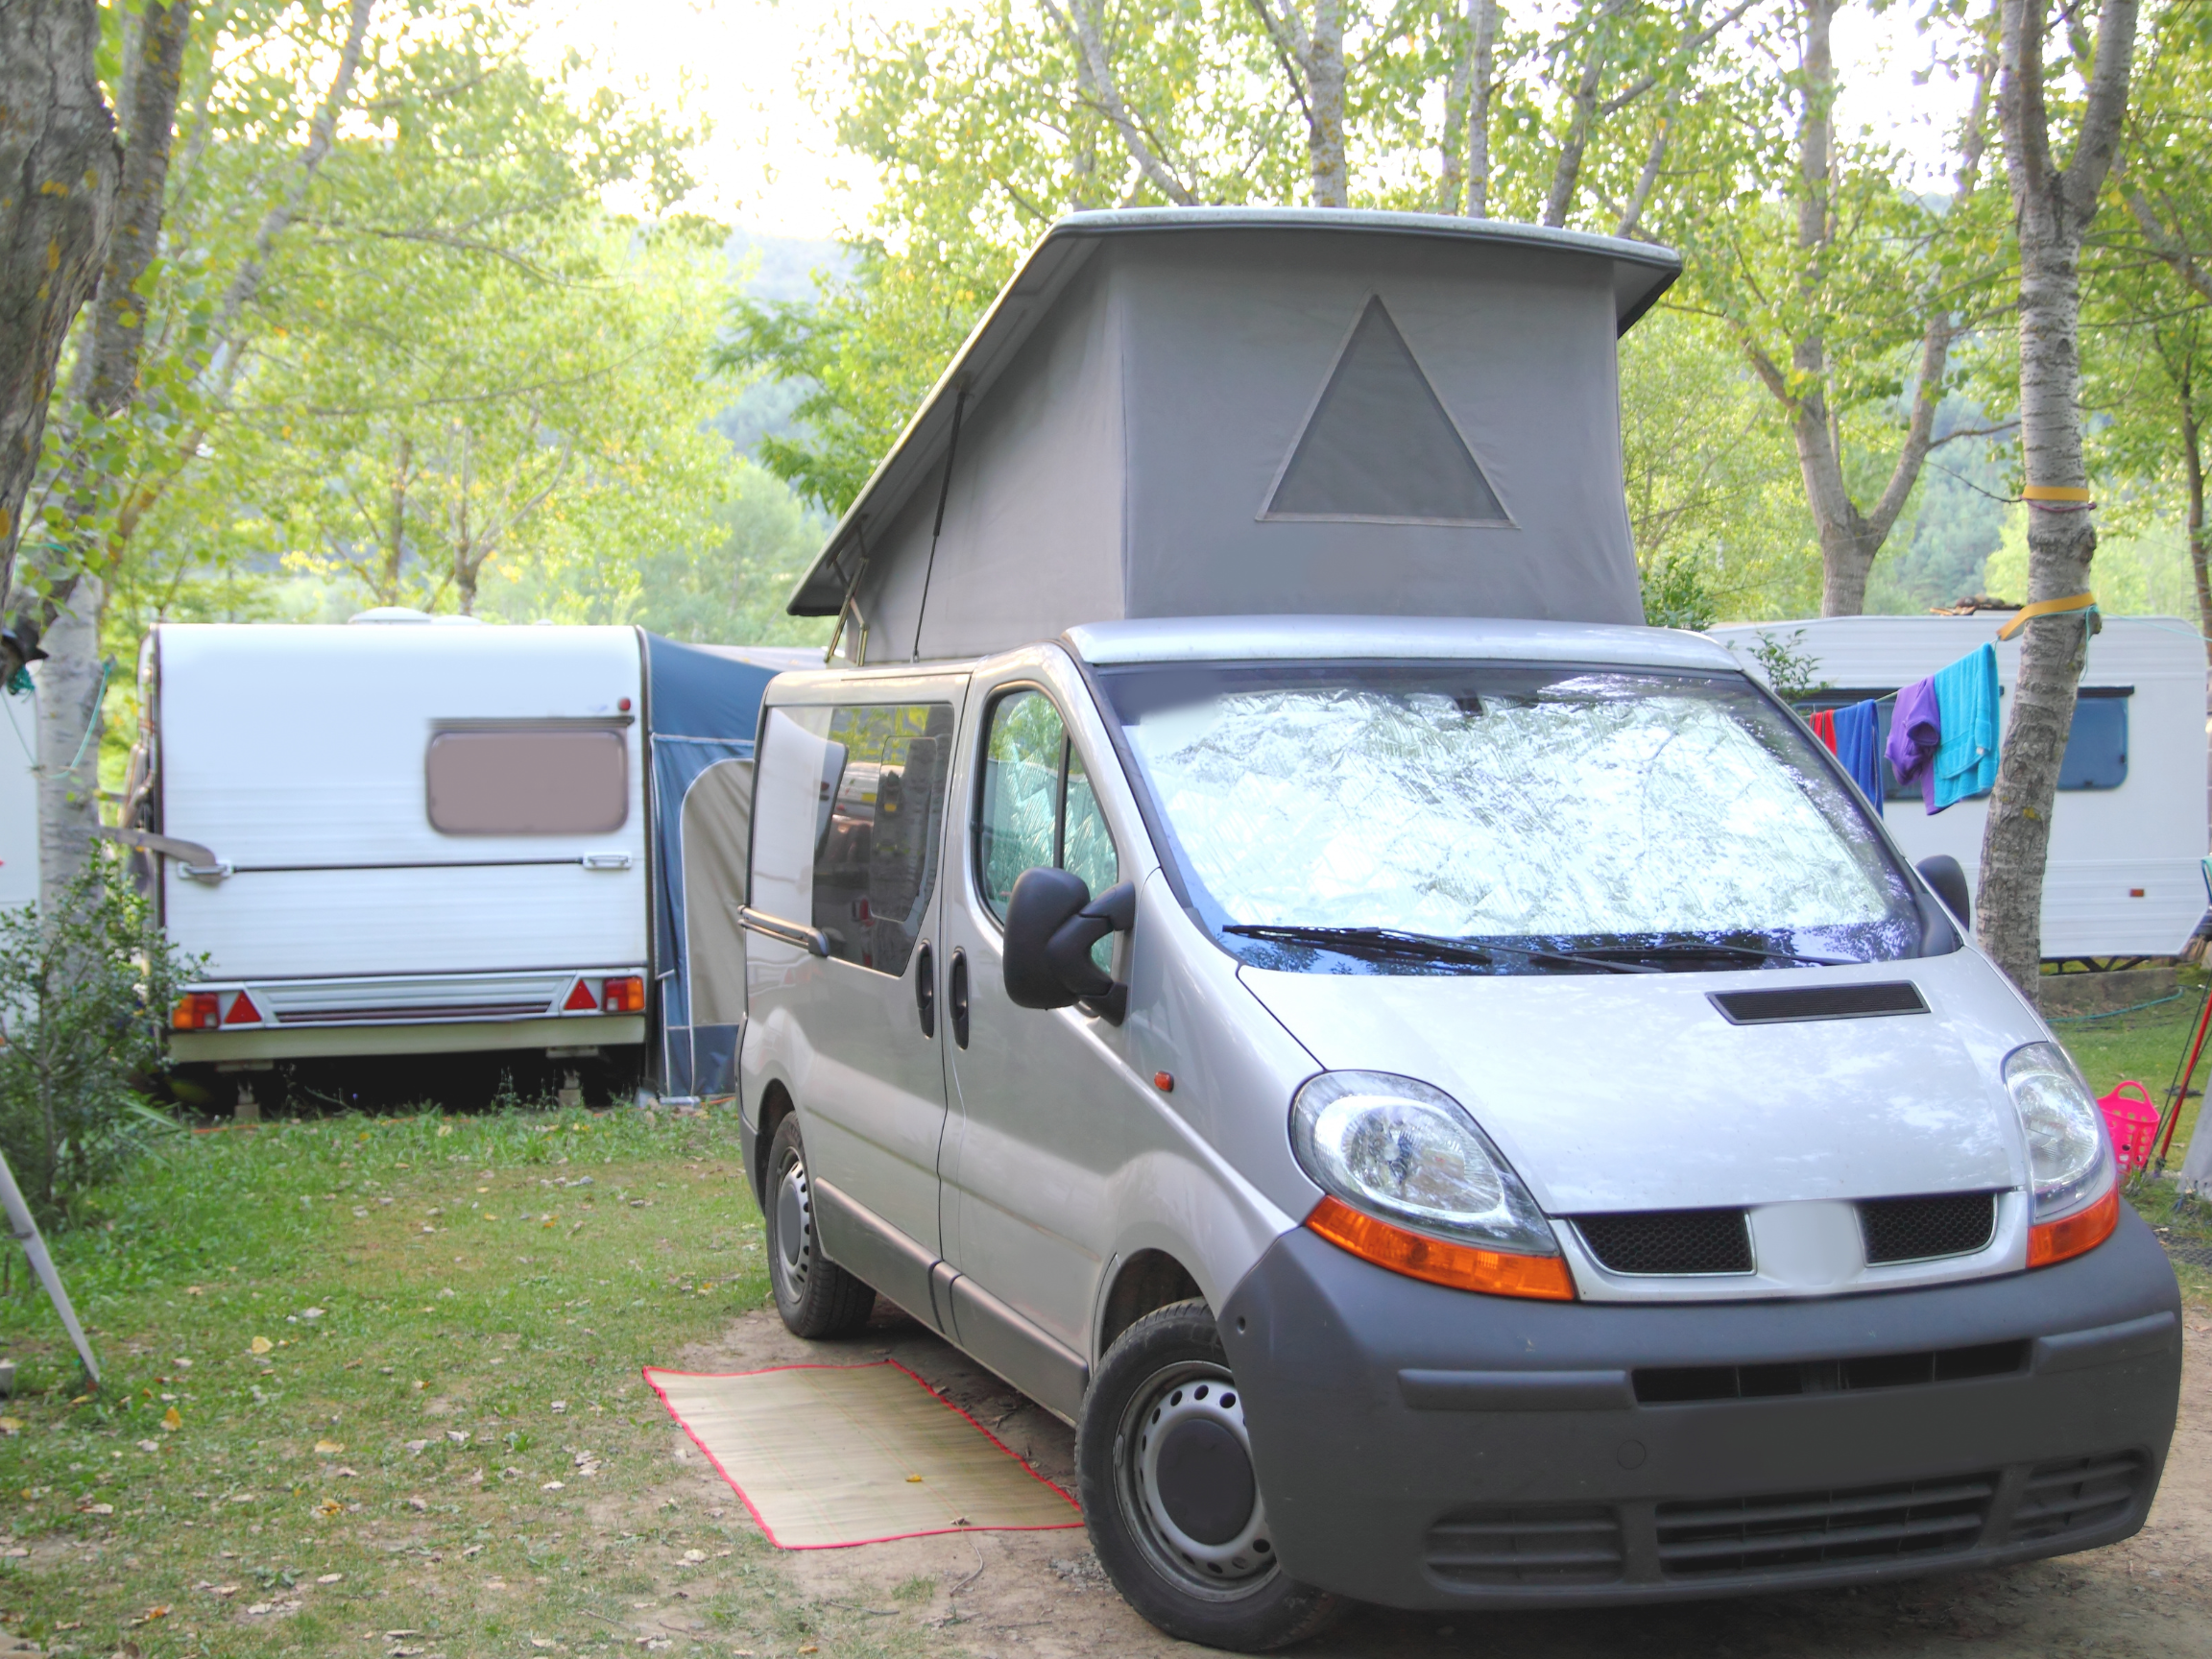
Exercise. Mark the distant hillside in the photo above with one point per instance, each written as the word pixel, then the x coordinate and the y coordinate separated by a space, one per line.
pixel 784 265
pixel 781 267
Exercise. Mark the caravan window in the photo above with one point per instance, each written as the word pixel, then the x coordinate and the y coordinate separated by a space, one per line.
pixel 883 778
pixel 528 781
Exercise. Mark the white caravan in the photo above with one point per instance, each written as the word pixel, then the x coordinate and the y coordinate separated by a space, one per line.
pixel 2129 829
pixel 410 840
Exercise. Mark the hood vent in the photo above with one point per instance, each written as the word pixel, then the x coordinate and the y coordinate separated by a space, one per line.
pixel 1818 1002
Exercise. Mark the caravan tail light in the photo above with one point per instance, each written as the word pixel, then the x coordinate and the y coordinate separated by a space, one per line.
pixel 197 1011
pixel 625 994
pixel 579 999
pixel 241 1011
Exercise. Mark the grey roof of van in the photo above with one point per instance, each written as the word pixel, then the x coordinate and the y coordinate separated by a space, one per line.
pixel 1639 274
pixel 1267 638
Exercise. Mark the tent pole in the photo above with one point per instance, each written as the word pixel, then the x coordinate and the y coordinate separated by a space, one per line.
pixel 27 1235
pixel 944 494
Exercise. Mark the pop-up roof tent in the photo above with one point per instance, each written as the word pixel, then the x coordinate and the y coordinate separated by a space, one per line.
pixel 1191 412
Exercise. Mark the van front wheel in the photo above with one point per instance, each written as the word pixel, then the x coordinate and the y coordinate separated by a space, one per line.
pixel 1170 1497
pixel 815 1296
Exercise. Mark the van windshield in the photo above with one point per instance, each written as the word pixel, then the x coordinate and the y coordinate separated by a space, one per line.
pixel 1479 818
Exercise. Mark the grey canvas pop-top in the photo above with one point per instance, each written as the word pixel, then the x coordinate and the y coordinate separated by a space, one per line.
pixel 1189 411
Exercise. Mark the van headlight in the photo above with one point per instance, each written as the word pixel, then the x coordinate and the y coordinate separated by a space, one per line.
pixel 2069 1159
pixel 1409 1155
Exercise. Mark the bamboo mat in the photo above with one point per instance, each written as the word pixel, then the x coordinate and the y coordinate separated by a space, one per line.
pixel 825 1456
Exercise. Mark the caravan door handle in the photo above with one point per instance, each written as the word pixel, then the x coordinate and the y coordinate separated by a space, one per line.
pixel 957 997
pixel 925 988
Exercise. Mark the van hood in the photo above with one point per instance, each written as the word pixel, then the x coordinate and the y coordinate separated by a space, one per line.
pixel 1628 1093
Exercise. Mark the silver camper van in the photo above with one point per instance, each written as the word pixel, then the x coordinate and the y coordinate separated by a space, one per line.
pixel 1449 1089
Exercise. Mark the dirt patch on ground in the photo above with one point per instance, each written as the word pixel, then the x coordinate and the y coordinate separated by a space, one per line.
pixel 1041 1592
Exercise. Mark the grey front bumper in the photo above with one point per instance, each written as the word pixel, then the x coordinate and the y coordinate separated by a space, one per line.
pixel 1421 1446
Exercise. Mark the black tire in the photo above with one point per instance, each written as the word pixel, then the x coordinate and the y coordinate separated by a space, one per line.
pixel 1162 1448
pixel 815 1296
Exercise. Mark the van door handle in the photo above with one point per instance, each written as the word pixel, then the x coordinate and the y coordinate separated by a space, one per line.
pixel 925 988
pixel 957 997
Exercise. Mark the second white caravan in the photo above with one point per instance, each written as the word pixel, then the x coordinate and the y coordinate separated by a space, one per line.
pixel 2127 831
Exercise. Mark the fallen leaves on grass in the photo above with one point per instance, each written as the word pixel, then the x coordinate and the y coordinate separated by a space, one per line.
pixel 172 1420
pixel 327 1448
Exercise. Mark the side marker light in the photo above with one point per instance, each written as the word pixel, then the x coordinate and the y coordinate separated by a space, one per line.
pixel 2075 1235
pixel 1438 1261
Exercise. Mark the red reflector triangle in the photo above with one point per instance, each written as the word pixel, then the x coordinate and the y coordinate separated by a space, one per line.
pixel 580 1000
pixel 241 1011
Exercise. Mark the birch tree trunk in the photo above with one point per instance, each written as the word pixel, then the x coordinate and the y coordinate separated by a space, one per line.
pixel 2053 208
pixel 58 170
pixel 105 384
pixel 68 684
pixel 1325 93
pixel 1480 92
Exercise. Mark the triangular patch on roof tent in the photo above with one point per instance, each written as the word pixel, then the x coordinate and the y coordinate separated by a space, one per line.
pixel 1379 445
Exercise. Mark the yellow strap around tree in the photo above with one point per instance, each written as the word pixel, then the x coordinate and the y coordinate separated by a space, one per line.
pixel 2054 493
pixel 2028 614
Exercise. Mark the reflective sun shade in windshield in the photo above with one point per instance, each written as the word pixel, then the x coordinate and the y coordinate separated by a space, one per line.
pixel 1508 804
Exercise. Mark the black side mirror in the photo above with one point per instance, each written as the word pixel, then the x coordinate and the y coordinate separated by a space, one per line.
pixel 1943 874
pixel 1051 924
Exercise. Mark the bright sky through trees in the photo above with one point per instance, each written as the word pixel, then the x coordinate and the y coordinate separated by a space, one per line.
pixel 773 162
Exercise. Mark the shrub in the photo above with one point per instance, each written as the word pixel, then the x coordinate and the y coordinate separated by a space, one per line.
pixel 85 998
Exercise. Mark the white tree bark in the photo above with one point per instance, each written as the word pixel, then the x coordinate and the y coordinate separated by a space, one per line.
pixel 2053 208
pixel 68 683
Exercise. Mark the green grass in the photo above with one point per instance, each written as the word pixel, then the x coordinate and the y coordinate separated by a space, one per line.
pixel 455 1311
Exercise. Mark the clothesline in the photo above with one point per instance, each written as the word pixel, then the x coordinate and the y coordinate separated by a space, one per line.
pixel 1942 735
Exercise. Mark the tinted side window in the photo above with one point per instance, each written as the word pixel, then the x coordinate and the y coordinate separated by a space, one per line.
pixel 520 781
pixel 876 857
pixel 1038 806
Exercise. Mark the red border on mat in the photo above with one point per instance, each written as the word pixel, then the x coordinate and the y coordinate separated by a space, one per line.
pixel 648 1372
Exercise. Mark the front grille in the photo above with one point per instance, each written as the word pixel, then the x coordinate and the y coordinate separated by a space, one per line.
pixel 1670 1242
pixel 1533 1544
pixel 1922 1229
pixel 1712 1539
pixel 2074 1495
pixel 1684 1384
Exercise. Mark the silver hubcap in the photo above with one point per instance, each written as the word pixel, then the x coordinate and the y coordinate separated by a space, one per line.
pixel 1185 1465
pixel 794 1248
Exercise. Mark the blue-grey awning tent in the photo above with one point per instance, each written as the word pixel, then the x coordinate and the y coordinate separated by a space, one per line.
pixel 702 709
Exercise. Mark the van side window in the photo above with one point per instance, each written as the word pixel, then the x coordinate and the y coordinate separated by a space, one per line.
pixel 1038 805
pixel 527 781
pixel 883 818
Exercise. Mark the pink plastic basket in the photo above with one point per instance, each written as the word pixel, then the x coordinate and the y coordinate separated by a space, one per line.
pixel 2133 1123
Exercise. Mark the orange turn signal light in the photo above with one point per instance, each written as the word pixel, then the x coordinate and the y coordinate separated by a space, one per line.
pixel 625 993
pixel 2073 1235
pixel 1461 1266
pixel 197 1011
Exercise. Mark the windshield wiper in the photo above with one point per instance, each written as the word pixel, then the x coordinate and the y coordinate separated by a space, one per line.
pixel 1373 941
pixel 1395 942
pixel 1686 952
